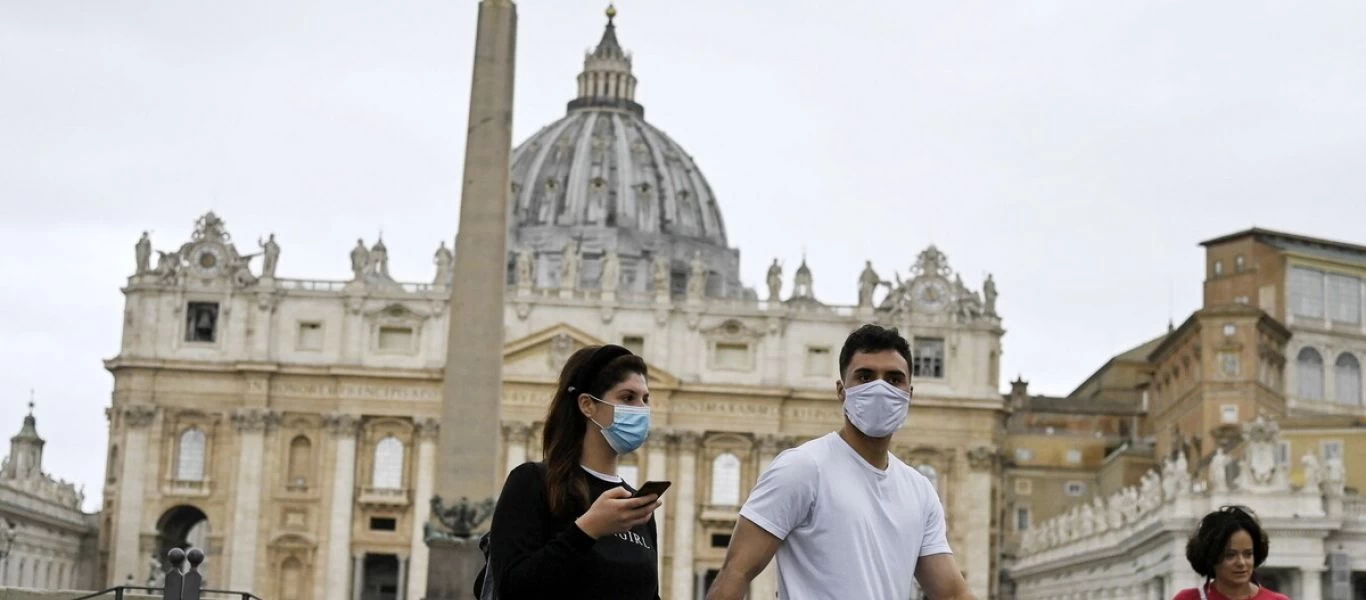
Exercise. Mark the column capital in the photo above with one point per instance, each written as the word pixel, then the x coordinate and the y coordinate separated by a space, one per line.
pixel 342 426
pixel 255 420
pixel 982 458
pixel 771 444
pixel 516 432
pixel 427 429
pixel 139 415
pixel 684 440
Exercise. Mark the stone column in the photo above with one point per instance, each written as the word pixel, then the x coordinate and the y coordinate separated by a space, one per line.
pixel 402 576
pixel 344 429
pixel 251 425
pixel 1311 583
pixel 685 499
pixel 976 493
pixel 516 435
pixel 471 398
pixel 427 430
pixel 128 523
pixel 765 586
pixel 656 469
pixel 357 575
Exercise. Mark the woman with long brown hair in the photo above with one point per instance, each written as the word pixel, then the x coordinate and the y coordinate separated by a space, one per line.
pixel 568 527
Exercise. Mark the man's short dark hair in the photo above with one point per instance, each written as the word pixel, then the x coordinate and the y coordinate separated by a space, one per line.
pixel 1205 550
pixel 870 339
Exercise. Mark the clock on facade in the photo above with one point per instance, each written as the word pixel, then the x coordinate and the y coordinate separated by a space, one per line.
pixel 931 293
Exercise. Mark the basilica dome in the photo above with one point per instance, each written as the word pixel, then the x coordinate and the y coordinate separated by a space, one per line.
pixel 603 178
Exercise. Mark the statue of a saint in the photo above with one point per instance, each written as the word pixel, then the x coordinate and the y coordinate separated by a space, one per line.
pixel 270 256
pixel 569 266
pixel 1312 473
pixel 360 259
pixel 989 290
pixel 526 268
pixel 156 573
pixel 445 265
pixel 775 281
pixel 697 277
pixel 611 271
pixel 379 259
pixel 867 284
pixel 1218 471
pixel 144 253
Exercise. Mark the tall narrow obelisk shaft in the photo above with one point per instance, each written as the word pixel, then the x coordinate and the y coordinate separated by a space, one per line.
pixel 470 427
pixel 466 464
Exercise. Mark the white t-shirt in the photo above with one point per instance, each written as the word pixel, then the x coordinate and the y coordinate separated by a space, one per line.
pixel 849 530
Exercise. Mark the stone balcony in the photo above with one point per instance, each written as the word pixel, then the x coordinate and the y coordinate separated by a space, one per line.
pixel 186 488
pixel 383 497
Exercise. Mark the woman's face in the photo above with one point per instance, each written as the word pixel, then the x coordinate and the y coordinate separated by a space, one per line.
pixel 1235 567
pixel 630 392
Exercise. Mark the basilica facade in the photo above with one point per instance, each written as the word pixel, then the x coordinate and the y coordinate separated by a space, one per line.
pixel 288 426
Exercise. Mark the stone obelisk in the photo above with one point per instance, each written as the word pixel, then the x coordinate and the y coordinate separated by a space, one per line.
pixel 466 464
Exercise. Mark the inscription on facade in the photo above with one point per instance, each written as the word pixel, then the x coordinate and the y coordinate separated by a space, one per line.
pixel 814 414
pixel 357 391
pixel 725 407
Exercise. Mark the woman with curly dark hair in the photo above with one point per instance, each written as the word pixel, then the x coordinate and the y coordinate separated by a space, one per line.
pixel 1226 550
pixel 568 527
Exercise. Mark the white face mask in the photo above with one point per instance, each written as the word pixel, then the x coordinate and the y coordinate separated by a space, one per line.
pixel 877 408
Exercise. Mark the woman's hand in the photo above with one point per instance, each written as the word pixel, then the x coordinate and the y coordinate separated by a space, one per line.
pixel 615 511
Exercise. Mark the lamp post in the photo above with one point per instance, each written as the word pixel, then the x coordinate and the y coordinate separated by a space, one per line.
pixel 7 535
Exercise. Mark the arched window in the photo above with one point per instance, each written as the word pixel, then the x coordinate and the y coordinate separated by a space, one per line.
pixel 725 480
pixel 1348 379
pixel 930 473
pixel 190 463
pixel 1309 374
pixel 300 462
pixel 291 579
pixel 388 471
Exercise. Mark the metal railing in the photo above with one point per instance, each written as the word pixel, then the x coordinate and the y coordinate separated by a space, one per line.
pixel 181 584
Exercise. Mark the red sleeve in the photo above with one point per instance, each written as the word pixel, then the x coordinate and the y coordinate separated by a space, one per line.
pixel 1187 594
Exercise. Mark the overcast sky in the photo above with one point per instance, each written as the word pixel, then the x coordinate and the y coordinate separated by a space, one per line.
pixel 1078 150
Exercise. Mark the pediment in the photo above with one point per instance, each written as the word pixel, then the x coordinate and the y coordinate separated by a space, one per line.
pixel 396 311
pixel 540 356
pixel 732 330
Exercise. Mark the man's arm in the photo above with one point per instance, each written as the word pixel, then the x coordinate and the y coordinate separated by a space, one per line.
pixel 940 579
pixel 751 549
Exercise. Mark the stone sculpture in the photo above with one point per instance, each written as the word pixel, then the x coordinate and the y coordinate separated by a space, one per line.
pixel 1312 473
pixel 1218 471
pixel 775 281
pixel 697 278
pixel 868 283
pixel 445 265
pixel 661 276
pixel 611 271
pixel 360 259
pixel 457 521
pixel 569 266
pixel 989 290
pixel 270 256
pixel 143 250
pixel 526 268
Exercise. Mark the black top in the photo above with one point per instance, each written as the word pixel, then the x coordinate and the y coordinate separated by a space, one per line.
pixel 534 554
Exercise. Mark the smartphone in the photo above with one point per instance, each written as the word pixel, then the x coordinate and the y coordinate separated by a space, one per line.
pixel 652 487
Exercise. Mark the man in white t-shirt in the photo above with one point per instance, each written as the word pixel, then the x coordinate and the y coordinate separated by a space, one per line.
pixel 845 517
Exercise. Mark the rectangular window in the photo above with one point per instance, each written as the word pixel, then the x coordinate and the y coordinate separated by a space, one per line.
pixel 928 359
pixel 1306 292
pixel 1024 487
pixel 1228 413
pixel 1344 299
pixel 1229 364
pixel 1021 519
pixel 720 540
pixel 732 355
pixel 1282 453
pixel 1074 488
pixel 1074 457
pixel 395 339
pixel 817 361
pixel 1331 449
pixel 634 343
pixel 310 336
pixel 383 524
pixel 201 322
pixel 1023 455
pixel 1239 265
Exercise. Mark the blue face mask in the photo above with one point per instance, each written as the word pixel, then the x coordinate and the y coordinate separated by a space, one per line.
pixel 629 429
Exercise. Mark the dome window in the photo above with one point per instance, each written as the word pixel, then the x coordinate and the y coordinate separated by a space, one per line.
pixel 599 183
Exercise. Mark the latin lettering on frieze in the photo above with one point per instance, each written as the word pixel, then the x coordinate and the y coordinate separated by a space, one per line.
pixel 814 414
pixel 358 391
pixel 725 407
